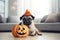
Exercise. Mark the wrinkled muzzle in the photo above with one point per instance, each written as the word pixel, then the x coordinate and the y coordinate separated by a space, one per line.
pixel 26 21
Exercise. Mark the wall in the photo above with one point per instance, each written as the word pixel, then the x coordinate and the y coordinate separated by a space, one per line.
pixel 12 8
pixel 12 11
pixel 59 6
pixel 1 0
pixel 54 6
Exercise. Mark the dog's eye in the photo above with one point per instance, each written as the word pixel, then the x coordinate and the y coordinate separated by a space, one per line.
pixel 30 17
pixel 24 17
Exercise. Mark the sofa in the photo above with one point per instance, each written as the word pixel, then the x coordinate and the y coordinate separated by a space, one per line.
pixel 55 27
pixel 52 27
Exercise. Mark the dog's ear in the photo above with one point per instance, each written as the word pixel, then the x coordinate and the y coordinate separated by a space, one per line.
pixel 33 17
pixel 21 18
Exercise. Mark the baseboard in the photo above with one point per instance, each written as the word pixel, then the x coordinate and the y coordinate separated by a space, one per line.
pixel 51 31
pixel 5 30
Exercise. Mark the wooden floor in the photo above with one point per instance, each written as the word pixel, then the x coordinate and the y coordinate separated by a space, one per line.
pixel 45 36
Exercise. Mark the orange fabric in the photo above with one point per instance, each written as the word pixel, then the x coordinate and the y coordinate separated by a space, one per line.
pixel 27 13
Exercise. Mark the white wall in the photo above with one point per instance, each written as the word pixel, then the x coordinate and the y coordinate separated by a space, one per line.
pixel 6 8
pixel 12 12
pixel 54 6
pixel 22 5
pixel 41 8
pixel 59 6
pixel 12 8
pixel 37 7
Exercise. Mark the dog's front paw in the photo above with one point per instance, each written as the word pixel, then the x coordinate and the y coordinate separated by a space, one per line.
pixel 32 34
pixel 38 33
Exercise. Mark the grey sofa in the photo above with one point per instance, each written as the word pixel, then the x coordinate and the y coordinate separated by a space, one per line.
pixel 41 26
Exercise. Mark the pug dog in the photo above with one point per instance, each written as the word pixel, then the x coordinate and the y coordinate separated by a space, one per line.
pixel 28 20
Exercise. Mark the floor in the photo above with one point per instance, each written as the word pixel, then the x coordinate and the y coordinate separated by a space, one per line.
pixel 45 36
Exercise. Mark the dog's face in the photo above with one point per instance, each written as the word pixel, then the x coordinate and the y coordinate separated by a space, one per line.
pixel 27 19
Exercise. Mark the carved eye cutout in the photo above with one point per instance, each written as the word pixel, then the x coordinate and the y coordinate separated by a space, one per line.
pixel 23 28
pixel 18 28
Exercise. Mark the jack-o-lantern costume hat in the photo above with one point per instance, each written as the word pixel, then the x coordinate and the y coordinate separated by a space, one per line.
pixel 27 13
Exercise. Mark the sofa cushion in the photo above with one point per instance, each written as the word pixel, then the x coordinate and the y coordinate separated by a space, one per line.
pixel 13 19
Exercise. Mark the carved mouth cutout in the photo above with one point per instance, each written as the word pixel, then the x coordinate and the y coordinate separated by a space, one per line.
pixel 21 33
